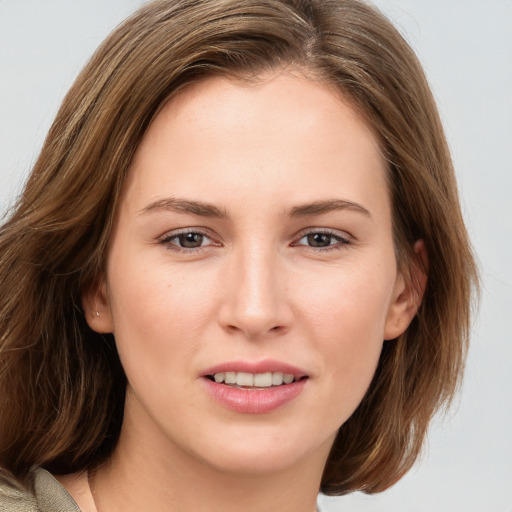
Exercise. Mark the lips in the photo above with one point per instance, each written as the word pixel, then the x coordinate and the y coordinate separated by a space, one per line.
pixel 254 388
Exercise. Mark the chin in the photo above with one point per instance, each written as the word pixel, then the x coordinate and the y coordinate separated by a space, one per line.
pixel 260 451
pixel 248 463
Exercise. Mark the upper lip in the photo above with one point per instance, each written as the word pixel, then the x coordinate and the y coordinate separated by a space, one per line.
pixel 264 366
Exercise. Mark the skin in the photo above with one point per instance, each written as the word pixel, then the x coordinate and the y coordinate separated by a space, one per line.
pixel 255 289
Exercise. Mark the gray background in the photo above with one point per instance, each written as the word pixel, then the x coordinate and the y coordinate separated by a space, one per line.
pixel 466 48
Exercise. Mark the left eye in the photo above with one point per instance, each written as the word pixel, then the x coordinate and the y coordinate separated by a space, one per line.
pixel 188 240
pixel 321 239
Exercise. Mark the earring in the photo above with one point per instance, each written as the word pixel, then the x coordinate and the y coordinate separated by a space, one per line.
pixel 97 313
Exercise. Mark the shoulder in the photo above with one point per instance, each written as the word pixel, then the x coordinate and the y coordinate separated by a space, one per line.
pixel 15 494
pixel 39 491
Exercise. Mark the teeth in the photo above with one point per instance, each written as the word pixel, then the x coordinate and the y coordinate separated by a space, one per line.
pixel 229 377
pixel 263 380
pixel 287 378
pixel 277 379
pixel 244 379
pixel 259 380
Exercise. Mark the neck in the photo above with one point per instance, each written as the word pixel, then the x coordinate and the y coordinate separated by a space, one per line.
pixel 143 475
pixel 179 493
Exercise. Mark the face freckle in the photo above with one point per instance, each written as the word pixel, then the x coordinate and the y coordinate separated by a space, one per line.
pixel 254 229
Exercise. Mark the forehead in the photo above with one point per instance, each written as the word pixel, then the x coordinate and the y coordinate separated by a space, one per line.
pixel 280 132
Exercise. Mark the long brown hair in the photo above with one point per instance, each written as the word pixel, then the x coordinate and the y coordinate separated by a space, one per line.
pixel 61 384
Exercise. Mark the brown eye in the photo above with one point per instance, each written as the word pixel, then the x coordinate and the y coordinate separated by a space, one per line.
pixel 190 240
pixel 324 240
pixel 320 239
pixel 187 241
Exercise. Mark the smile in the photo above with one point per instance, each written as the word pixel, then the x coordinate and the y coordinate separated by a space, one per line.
pixel 254 387
pixel 253 380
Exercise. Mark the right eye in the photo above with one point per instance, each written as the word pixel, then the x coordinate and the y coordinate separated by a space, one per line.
pixel 186 241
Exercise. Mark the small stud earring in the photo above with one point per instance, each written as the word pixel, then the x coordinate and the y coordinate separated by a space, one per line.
pixel 97 313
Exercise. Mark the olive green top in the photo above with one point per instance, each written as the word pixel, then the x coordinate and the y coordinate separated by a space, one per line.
pixel 38 492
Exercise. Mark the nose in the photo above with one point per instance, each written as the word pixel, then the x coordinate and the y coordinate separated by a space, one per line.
pixel 255 302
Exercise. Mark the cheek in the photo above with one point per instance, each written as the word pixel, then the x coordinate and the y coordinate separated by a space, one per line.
pixel 157 316
pixel 350 304
pixel 345 318
pixel 163 315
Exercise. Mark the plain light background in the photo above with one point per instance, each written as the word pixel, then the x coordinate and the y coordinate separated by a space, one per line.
pixel 466 49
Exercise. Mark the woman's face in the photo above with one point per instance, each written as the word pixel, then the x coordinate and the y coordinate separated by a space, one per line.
pixel 253 237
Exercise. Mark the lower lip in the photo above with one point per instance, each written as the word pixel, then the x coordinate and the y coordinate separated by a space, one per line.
pixel 254 400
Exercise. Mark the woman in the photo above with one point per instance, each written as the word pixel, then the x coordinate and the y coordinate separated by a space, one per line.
pixel 217 272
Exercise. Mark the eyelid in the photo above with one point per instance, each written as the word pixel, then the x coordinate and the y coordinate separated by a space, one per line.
pixel 344 237
pixel 166 238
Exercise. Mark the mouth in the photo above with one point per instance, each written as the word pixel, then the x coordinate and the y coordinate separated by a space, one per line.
pixel 246 380
pixel 254 387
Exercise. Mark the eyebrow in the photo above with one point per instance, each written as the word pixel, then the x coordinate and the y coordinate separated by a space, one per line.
pixel 183 206
pixel 204 209
pixel 319 207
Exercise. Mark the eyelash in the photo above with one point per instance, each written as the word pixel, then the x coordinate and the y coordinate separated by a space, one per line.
pixel 342 240
pixel 167 239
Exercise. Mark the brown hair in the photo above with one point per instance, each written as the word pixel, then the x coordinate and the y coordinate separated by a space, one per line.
pixel 61 384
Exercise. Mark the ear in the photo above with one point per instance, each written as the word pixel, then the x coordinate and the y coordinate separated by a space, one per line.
pixel 96 306
pixel 408 294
